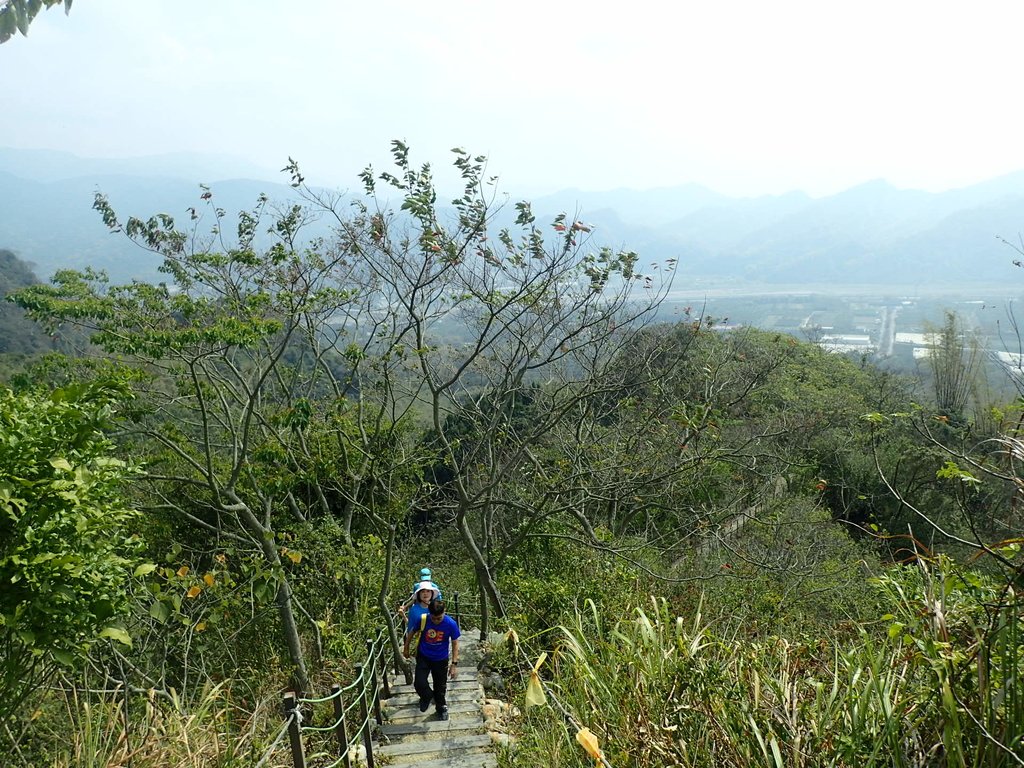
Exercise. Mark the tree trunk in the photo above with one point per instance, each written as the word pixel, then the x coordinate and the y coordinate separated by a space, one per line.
pixel 483 573
pixel 285 610
pixel 389 617
pixel 291 634
pixel 485 616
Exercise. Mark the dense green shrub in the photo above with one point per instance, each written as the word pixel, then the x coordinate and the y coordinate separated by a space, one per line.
pixel 933 682
pixel 65 549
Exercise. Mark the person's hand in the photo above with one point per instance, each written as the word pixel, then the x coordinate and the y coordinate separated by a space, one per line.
pixel 405 652
pixel 453 671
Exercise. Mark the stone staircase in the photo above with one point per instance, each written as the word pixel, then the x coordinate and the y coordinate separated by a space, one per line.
pixel 411 737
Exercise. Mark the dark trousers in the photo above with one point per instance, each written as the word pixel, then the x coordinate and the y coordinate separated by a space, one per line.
pixel 438 671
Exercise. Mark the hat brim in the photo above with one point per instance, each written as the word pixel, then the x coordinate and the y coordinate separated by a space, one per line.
pixel 427 586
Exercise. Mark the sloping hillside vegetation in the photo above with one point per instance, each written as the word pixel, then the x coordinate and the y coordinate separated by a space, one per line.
pixel 734 548
pixel 18 335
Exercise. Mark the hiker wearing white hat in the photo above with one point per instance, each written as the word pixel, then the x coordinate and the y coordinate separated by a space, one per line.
pixel 422 594
pixel 425 576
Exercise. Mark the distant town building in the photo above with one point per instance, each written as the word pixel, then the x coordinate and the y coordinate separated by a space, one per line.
pixel 847 342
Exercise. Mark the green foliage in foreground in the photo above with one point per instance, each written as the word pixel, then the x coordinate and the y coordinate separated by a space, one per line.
pixel 216 730
pixel 63 569
pixel 935 684
pixel 16 15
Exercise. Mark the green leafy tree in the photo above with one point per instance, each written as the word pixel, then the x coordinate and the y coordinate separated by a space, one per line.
pixel 470 311
pixel 65 553
pixel 16 15
pixel 954 359
pixel 254 416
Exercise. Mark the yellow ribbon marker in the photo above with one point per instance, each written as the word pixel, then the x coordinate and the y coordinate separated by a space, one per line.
pixel 535 696
pixel 588 741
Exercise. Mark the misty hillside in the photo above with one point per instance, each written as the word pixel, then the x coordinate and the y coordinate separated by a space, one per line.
pixel 18 334
pixel 51 224
pixel 872 233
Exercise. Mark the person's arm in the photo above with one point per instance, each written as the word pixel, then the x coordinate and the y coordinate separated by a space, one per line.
pixel 453 665
pixel 405 604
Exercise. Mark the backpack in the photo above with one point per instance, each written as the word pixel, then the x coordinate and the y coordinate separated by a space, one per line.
pixel 418 634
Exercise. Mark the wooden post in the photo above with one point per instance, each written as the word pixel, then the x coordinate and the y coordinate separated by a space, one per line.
pixel 484 614
pixel 365 718
pixel 291 711
pixel 385 670
pixel 127 720
pixel 340 730
pixel 456 613
pixel 373 680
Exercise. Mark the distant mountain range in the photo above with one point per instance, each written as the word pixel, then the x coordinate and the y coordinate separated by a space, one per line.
pixel 872 233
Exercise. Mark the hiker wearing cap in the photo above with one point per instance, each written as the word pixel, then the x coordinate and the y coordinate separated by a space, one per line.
pixel 425 575
pixel 437 631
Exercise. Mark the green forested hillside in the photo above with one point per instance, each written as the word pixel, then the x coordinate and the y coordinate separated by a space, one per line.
pixel 18 336
pixel 734 548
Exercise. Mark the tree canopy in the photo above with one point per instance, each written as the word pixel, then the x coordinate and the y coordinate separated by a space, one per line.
pixel 17 15
pixel 502 398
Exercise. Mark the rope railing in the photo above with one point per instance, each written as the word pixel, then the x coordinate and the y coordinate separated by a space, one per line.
pixel 366 699
pixel 363 710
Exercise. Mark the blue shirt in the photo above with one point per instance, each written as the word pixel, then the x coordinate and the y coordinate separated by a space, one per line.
pixel 415 611
pixel 435 639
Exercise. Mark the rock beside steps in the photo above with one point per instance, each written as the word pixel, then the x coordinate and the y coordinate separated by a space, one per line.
pixel 411 737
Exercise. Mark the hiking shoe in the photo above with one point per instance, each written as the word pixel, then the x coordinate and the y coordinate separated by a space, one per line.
pixel 442 713
pixel 425 704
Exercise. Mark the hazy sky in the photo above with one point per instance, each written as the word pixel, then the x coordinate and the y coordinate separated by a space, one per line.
pixel 745 97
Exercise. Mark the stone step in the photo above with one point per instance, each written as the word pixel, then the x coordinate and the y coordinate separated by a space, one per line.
pixel 457 745
pixel 458 686
pixel 408 696
pixel 403 694
pixel 460 682
pixel 431 727
pixel 411 712
pixel 467 668
pixel 473 760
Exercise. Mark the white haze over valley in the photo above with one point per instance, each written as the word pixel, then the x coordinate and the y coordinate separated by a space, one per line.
pixel 745 98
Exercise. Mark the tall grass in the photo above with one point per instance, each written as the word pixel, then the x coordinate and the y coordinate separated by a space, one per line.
pixel 934 683
pixel 210 732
